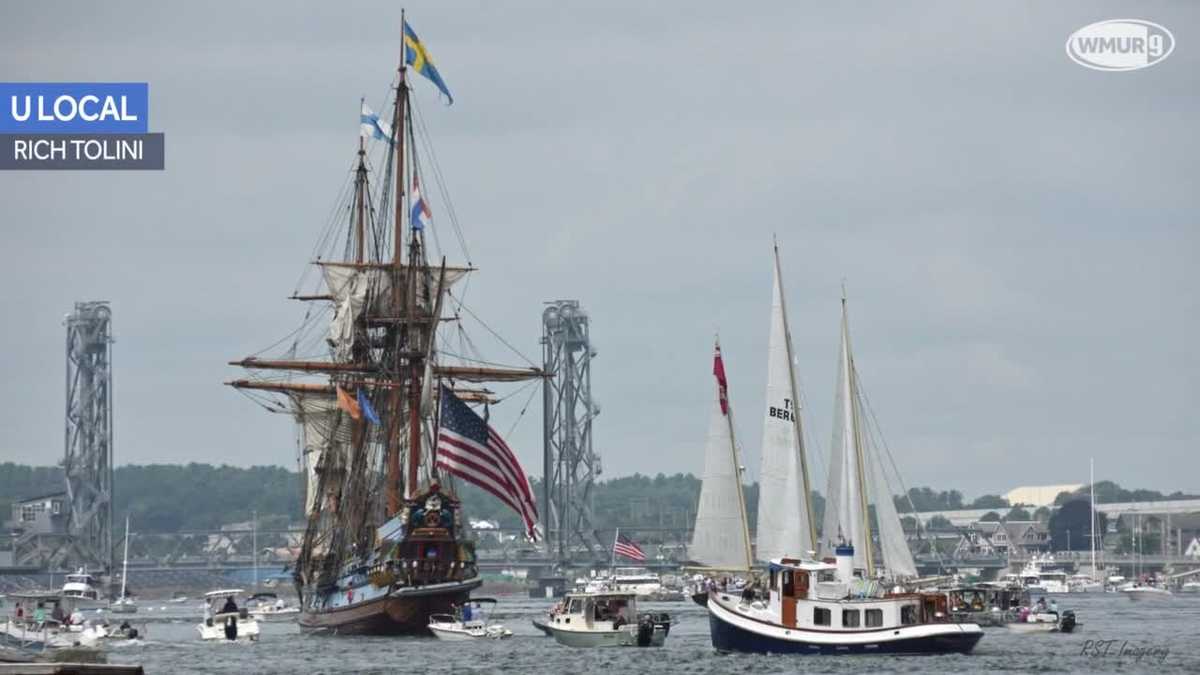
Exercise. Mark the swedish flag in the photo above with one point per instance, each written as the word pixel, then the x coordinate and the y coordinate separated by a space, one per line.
pixel 416 56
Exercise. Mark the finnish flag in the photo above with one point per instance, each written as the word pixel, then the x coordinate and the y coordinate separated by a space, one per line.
pixel 372 126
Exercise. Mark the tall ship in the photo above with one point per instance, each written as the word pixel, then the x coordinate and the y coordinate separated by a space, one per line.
pixel 387 410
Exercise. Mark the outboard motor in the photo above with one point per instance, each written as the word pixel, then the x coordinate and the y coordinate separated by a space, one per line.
pixel 1067 623
pixel 645 632
pixel 231 628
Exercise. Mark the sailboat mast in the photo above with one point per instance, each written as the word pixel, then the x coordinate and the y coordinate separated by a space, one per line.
pixel 806 498
pixel 737 470
pixel 855 426
pixel 125 563
pixel 1092 485
pixel 396 397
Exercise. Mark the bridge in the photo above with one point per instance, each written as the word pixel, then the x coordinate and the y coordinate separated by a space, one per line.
pixel 962 517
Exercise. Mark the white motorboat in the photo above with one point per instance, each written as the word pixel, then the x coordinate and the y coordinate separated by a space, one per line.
pixel 637 580
pixel 1190 587
pixel 268 606
pixel 1084 583
pixel 41 620
pixel 469 623
pixel 79 592
pixel 607 619
pixel 224 620
pixel 1141 591
pixel 1036 579
pixel 1045 622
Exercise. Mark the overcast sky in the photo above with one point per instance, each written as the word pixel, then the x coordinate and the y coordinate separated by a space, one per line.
pixel 1018 234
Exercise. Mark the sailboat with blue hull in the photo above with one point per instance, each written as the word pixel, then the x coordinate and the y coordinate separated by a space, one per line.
pixel 837 605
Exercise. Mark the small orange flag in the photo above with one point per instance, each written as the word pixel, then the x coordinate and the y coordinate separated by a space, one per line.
pixel 347 403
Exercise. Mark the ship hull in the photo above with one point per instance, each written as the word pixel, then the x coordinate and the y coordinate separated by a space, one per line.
pixel 733 633
pixel 404 611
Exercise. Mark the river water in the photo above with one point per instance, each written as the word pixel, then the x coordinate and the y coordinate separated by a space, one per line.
pixel 1148 636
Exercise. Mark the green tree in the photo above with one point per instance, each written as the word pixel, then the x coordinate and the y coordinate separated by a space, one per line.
pixel 1071 526
pixel 989 517
pixel 990 502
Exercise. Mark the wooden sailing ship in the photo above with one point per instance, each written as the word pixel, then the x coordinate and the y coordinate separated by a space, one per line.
pixel 385 545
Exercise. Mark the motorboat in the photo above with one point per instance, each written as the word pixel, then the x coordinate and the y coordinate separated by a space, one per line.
pixel 1045 622
pixel 224 620
pixel 470 622
pixel 79 592
pixel 268 606
pixel 44 620
pixel 1084 583
pixel 1035 578
pixel 815 607
pixel 178 598
pixel 1190 587
pixel 1144 591
pixel 607 619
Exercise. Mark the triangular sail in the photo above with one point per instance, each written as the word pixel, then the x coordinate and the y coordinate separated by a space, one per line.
pixel 720 538
pixel 857 478
pixel 784 522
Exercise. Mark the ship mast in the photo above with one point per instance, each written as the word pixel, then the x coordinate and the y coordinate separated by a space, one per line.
pixel 399 127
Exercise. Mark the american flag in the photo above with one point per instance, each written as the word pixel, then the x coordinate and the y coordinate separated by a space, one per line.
pixel 625 546
pixel 470 449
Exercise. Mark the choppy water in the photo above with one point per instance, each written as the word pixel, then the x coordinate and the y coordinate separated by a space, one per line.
pixel 1170 628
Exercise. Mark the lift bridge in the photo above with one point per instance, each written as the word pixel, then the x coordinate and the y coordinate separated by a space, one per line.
pixel 88 462
pixel 571 465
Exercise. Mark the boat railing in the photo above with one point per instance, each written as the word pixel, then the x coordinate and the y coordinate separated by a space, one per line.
pixel 421 571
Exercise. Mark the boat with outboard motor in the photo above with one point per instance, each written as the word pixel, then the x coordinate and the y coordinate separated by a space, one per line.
pixel 1044 621
pixel 269 607
pixel 224 620
pixel 47 620
pixel 607 619
pixel 469 622
pixel 814 607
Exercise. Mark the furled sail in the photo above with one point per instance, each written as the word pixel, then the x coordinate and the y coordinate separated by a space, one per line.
pixel 323 430
pixel 784 521
pixel 720 538
pixel 359 288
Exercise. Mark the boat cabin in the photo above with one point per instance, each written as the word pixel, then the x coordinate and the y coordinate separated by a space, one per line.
pixel 814 595
pixel 223 601
pixel 597 611
pixel 80 586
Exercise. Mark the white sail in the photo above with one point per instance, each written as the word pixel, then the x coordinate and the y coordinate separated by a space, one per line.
pixel 893 545
pixel 843 499
pixel 720 538
pixel 853 470
pixel 784 521
pixel 323 428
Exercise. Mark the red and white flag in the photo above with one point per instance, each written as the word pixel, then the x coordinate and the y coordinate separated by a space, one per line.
pixel 722 386
pixel 625 546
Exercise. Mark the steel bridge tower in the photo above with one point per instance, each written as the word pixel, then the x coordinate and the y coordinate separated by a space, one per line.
pixel 89 434
pixel 570 463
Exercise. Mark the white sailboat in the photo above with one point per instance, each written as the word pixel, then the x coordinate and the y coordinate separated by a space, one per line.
pixel 785 524
pixel 856 480
pixel 124 604
pixel 721 537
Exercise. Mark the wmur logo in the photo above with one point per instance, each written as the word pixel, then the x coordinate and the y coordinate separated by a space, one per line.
pixel 1120 44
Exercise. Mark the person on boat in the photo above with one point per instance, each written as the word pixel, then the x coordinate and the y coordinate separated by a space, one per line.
pixel 39 614
pixel 1054 606
pixel 1041 605
pixel 20 611
pixel 466 612
pixel 230 606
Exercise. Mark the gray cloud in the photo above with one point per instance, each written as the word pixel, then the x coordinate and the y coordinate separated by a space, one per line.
pixel 1017 233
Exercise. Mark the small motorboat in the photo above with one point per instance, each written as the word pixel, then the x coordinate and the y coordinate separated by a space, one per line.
pixel 1190 587
pixel 1141 591
pixel 224 620
pixel 470 622
pixel 1045 622
pixel 269 607
pixel 607 619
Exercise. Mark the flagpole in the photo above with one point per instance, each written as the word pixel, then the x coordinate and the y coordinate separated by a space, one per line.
pixel 612 563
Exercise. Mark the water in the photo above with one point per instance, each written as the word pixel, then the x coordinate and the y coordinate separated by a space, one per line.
pixel 173 646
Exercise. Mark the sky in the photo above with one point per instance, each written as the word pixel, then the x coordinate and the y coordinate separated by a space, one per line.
pixel 1017 234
